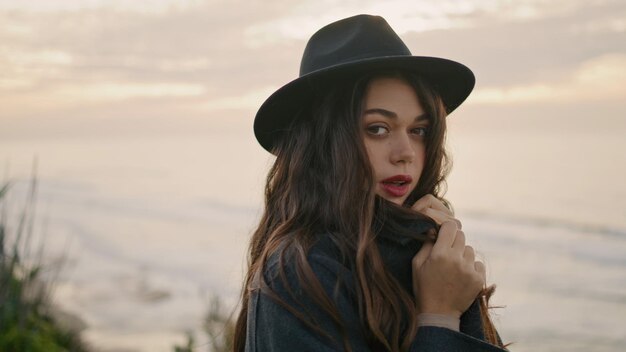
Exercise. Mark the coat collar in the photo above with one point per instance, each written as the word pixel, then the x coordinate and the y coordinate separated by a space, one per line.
pixel 397 250
pixel 416 227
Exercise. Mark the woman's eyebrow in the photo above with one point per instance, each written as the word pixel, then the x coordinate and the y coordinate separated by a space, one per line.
pixel 392 114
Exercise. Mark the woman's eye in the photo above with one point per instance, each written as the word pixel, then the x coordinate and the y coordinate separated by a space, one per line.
pixel 421 131
pixel 377 130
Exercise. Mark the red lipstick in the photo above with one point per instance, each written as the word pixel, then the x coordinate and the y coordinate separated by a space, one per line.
pixel 397 186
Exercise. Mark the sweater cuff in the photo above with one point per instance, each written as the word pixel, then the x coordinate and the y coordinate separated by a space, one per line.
pixel 440 320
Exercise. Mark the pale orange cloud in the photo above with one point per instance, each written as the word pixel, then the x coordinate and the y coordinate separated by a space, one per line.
pixel 601 79
pixel 225 55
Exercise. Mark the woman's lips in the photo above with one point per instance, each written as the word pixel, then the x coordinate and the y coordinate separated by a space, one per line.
pixel 397 186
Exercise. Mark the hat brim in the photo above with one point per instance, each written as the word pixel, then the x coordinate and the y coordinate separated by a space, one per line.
pixel 452 80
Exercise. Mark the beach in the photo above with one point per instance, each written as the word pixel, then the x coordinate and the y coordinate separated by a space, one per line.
pixel 149 226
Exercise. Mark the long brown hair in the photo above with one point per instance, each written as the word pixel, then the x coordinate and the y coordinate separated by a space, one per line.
pixel 323 152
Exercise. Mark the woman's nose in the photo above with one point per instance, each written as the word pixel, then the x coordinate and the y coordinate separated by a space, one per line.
pixel 402 150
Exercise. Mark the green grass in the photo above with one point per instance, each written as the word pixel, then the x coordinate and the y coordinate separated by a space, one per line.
pixel 217 328
pixel 26 324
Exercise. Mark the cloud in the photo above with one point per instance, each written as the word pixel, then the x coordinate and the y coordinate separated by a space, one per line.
pixel 601 79
pixel 250 100
pixel 540 50
pixel 203 44
pixel 13 83
pixel 144 6
pixel 226 53
pixel 117 91
pixel 38 58
pixel 72 96
pixel 409 15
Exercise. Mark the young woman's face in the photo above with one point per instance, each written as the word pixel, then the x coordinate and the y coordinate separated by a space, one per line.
pixel 394 130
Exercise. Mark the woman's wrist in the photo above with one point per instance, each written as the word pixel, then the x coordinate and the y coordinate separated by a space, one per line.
pixel 440 320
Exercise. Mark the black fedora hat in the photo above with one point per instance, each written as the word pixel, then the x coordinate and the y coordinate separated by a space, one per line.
pixel 357 44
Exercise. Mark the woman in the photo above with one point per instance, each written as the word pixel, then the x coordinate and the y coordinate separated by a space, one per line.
pixel 356 249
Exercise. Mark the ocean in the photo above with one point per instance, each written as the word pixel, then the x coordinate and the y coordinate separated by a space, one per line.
pixel 147 220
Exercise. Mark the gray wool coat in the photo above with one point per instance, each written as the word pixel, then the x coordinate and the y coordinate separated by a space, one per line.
pixel 272 328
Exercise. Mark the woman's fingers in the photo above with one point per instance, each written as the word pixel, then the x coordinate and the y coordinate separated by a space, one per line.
pixel 440 217
pixel 422 254
pixel 480 268
pixel 469 254
pixel 446 279
pixel 445 238
pixel 459 242
pixel 430 201
pixel 434 208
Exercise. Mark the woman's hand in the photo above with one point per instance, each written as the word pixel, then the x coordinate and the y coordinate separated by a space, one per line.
pixel 434 208
pixel 446 277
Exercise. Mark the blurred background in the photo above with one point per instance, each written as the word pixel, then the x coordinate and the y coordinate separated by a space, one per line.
pixel 139 115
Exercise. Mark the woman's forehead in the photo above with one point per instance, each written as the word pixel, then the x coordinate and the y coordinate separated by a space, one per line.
pixel 393 95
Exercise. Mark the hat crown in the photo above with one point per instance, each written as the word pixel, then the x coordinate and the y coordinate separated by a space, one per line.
pixel 351 39
pixel 343 51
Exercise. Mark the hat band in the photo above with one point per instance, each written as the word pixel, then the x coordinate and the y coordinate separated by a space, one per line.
pixel 331 60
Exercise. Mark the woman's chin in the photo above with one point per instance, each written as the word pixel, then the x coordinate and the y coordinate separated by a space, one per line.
pixel 395 200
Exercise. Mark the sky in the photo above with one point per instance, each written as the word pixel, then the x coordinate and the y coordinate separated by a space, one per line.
pixel 141 112
pixel 91 57
pixel 551 72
